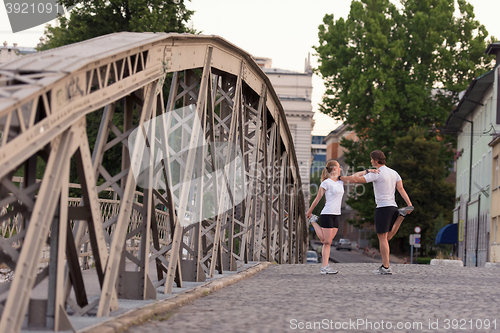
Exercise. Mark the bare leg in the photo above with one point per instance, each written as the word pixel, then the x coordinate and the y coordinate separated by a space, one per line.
pixel 384 248
pixel 327 243
pixel 395 227
pixel 319 231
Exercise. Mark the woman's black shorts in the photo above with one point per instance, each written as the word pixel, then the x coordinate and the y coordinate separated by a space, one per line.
pixel 385 217
pixel 329 221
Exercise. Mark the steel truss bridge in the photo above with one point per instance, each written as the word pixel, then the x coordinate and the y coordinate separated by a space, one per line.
pixel 119 149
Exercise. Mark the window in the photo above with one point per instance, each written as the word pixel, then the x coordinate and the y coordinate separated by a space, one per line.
pixel 496 233
pixel 487 114
pixel 487 169
pixel 491 110
pixel 474 175
pixel 485 119
pixel 318 140
pixel 496 174
pixel 480 175
pixel 464 185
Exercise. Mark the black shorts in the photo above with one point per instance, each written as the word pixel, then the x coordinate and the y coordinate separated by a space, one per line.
pixel 385 217
pixel 329 221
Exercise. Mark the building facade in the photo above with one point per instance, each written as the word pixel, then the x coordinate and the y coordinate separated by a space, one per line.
pixel 494 255
pixel 333 148
pixel 474 120
pixel 294 90
pixel 8 53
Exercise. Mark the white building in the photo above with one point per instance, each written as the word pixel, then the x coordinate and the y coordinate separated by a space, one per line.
pixel 474 120
pixel 7 53
pixel 295 90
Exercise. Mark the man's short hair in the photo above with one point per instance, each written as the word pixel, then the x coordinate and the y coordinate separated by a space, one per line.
pixel 378 156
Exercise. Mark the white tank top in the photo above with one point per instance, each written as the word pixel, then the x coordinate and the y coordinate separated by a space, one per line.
pixel 334 191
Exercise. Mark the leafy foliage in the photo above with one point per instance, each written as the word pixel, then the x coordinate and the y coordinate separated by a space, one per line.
pixel 93 18
pixel 389 68
pixel 363 203
pixel 422 163
pixel 386 69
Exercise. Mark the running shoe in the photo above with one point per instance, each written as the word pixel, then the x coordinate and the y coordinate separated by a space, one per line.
pixel 383 271
pixel 404 211
pixel 314 218
pixel 328 270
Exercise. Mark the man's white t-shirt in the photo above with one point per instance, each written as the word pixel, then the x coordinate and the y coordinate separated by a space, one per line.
pixel 334 191
pixel 384 186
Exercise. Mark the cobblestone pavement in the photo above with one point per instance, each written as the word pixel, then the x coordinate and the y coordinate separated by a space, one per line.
pixel 286 298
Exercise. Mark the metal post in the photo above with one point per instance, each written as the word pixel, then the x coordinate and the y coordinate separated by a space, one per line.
pixel 411 261
pixel 470 189
pixel 478 219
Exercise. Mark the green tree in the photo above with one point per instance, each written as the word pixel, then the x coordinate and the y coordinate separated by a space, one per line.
pixel 93 18
pixel 423 163
pixel 387 69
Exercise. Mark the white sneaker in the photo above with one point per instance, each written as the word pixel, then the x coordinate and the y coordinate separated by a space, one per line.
pixel 328 270
pixel 383 271
pixel 404 211
pixel 314 218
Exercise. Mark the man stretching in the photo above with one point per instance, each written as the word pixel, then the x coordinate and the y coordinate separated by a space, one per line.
pixel 388 218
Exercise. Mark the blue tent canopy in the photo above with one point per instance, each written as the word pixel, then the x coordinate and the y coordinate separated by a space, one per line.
pixel 448 234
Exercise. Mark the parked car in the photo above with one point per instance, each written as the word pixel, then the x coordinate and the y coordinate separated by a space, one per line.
pixel 312 257
pixel 344 243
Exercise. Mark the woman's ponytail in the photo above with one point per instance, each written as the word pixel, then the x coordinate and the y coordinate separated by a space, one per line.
pixel 327 171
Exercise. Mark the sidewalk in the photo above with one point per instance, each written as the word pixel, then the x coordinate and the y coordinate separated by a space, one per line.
pixel 135 312
pixel 296 298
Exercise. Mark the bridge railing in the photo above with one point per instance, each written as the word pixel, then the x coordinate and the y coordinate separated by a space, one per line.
pixel 109 209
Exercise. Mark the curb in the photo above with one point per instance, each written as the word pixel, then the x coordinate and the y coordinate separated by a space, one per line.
pixel 138 316
pixel 446 262
pixel 492 265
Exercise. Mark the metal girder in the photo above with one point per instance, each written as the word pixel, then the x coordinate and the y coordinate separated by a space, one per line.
pixel 42 216
pixel 195 207
pixel 120 232
pixel 256 188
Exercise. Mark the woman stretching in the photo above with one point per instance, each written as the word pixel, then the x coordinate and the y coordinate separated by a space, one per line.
pixel 329 218
pixel 333 189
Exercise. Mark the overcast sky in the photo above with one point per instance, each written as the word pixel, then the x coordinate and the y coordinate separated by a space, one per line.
pixel 283 30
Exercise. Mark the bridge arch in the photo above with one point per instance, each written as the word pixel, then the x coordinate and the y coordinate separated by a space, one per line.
pixel 182 107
